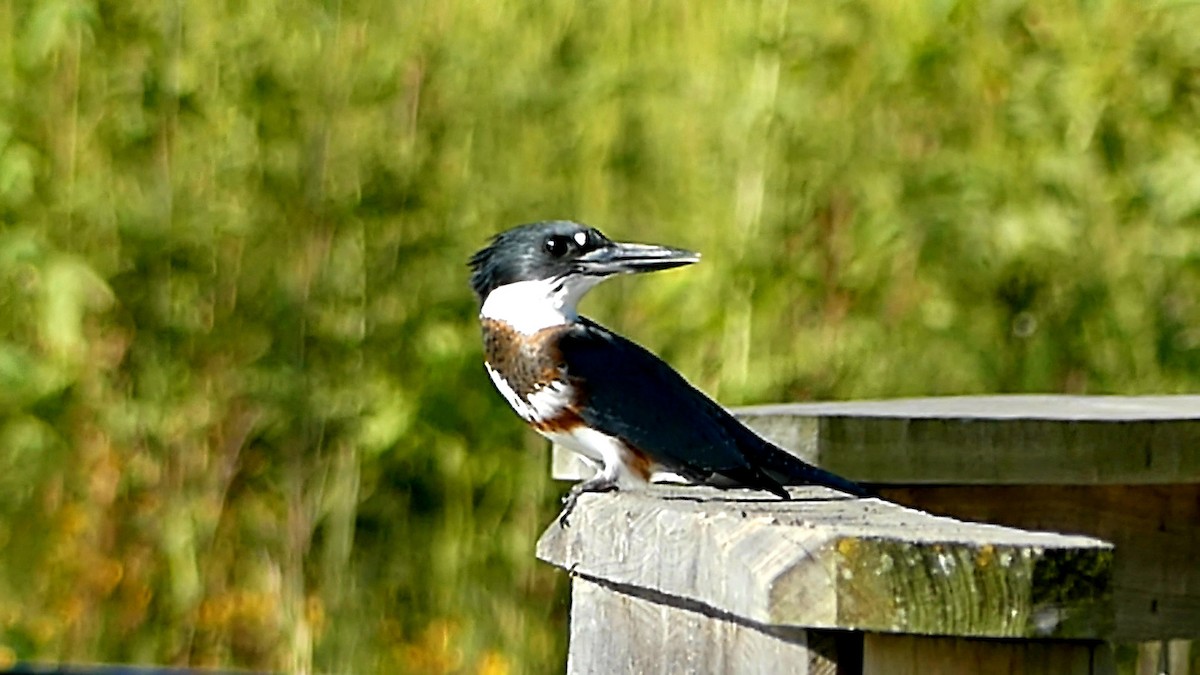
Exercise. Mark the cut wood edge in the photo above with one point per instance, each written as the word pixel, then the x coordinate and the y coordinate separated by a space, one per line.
pixel 821 561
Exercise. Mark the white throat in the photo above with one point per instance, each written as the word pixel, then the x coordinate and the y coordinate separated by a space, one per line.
pixel 530 306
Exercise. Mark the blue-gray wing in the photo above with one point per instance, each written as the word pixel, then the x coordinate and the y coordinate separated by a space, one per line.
pixel 632 394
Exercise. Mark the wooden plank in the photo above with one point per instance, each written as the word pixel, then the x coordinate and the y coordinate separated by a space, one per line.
pixel 1000 439
pixel 824 561
pixel 1156 573
pixel 917 655
pixel 1179 657
pixel 987 440
pixel 1164 657
pixel 616 630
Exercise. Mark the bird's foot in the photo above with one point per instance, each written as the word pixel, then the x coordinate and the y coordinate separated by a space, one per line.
pixel 597 484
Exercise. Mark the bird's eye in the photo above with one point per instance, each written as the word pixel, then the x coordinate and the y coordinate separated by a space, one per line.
pixel 558 245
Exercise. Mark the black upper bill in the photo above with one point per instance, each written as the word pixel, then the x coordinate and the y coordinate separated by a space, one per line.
pixel 620 258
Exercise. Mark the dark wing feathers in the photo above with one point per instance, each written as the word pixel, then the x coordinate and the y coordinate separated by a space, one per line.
pixel 788 468
pixel 631 394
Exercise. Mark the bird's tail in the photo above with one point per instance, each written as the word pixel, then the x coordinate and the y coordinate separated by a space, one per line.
pixel 790 470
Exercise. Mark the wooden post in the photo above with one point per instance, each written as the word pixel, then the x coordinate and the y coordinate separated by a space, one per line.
pixel 694 579
pixel 1121 469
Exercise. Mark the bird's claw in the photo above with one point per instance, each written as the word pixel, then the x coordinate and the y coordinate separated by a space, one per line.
pixel 570 499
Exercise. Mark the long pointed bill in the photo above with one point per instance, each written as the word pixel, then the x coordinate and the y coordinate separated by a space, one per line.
pixel 631 258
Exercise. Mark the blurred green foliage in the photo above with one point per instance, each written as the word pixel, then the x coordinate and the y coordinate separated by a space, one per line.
pixel 243 419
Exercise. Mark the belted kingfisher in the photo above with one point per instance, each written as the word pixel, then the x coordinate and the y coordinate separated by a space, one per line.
pixel 625 411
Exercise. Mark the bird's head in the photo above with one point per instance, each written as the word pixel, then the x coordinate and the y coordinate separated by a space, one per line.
pixel 554 263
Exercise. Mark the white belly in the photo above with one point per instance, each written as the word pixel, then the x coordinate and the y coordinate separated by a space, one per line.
pixel 609 455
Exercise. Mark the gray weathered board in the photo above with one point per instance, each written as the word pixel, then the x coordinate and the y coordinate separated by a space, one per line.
pixel 623 631
pixel 1123 469
pixel 1156 578
pixel 984 440
pixel 826 561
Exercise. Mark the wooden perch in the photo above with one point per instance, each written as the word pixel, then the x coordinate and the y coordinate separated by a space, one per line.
pixel 1124 470
pixel 738 560
pixel 824 561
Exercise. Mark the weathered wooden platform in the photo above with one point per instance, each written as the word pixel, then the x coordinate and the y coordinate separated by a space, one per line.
pixel 1120 469
pixel 1123 469
pixel 681 575
pixel 996 440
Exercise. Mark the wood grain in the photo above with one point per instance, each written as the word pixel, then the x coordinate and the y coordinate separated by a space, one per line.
pixel 1156 563
pixel 913 655
pixel 822 561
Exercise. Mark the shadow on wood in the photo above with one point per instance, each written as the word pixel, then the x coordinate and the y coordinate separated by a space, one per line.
pixel 694 579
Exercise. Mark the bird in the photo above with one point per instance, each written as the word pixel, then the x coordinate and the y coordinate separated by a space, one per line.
pixel 621 408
